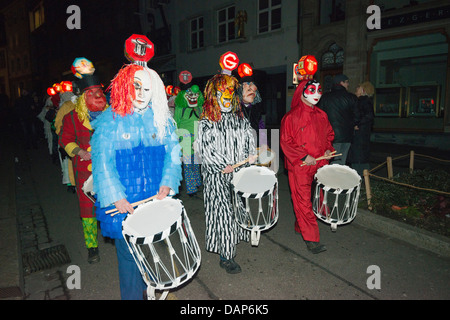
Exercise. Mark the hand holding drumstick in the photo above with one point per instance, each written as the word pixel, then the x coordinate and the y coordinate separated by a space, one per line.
pixel 251 159
pixel 123 206
pixel 310 161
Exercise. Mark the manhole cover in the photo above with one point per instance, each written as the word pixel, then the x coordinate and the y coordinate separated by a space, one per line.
pixel 45 259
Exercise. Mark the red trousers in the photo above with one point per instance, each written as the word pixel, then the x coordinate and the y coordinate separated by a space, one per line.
pixel 300 180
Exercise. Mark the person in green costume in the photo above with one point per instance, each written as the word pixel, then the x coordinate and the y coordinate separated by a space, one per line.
pixel 188 107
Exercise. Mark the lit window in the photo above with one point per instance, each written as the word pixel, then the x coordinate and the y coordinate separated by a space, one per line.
pixel 37 17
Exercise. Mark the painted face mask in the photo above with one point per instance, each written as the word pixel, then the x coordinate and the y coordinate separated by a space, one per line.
pixel 142 86
pixel 248 92
pixel 225 98
pixel 312 92
pixel 95 99
pixel 192 94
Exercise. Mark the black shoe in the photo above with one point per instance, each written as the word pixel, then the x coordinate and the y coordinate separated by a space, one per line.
pixel 230 266
pixel 93 256
pixel 315 247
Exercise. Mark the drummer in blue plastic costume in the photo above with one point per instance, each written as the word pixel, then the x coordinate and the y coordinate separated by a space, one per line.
pixel 225 138
pixel 135 155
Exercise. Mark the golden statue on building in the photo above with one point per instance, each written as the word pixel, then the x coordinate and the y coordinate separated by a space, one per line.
pixel 240 21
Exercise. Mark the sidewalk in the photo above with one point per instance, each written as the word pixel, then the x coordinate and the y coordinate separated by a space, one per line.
pixel 11 275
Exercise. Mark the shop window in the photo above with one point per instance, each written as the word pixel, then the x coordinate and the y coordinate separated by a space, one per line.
pixel 388 102
pixel 423 100
pixel 415 68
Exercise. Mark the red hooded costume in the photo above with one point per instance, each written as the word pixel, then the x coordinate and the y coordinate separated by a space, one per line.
pixel 305 131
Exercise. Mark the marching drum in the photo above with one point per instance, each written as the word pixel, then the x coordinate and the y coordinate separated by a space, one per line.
pixel 88 188
pixel 161 240
pixel 336 194
pixel 258 186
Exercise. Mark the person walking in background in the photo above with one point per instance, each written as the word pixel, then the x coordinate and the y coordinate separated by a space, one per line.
pixel 251 103
pixel 26 113
pixel 188 108
pixel 359 154
pixel 74 137
pixel 340 107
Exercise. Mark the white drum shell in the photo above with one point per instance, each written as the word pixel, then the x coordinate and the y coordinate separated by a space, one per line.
pixel 257 188
pixel 336 194
pixel 162 242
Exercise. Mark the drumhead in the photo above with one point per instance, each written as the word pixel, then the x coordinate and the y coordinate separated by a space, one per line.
pixel 153 218
pixel 338 176
pixel 254 179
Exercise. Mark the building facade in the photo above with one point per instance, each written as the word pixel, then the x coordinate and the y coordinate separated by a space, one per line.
pixel 405 58
pixel 262 33
pixel 405 55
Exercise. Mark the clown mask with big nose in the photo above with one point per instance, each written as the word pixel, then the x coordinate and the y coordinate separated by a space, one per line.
pixel 142 86
pixel 95 99
pixel 312 93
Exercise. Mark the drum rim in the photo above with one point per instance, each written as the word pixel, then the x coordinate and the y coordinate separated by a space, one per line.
pixel 255 195
pixel 159 236
pixel 338 190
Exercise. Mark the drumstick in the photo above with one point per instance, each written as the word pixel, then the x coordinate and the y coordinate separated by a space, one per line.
pixel 324 157
pixel 134 204
pixel 234 166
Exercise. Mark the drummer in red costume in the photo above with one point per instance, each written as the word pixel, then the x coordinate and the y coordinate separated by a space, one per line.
pixel 74 137
pixel 306 134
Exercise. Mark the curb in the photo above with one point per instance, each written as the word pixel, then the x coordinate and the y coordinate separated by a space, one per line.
pixel 420 238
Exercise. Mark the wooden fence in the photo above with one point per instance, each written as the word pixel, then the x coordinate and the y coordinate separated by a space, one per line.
pixel 390 174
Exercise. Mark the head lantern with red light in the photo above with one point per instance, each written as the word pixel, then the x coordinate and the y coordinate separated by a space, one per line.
pixel 139 49
pixel 306 68
pixel 228 62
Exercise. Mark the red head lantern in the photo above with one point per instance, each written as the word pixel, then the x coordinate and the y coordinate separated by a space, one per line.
pixel 66 86
pixel 185 77
pixel 51 91
pixel 169 90
pixel 228 62
pixel 57 87
pixel 176 91
pixel 307 67
pixel 245 70
pixel 139 49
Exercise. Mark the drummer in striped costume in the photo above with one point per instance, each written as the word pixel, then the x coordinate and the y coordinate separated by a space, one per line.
pixel 224 138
